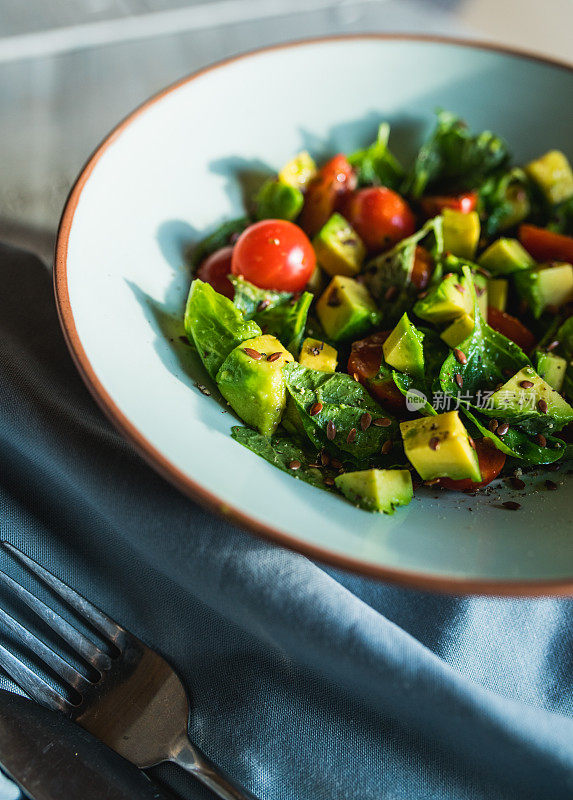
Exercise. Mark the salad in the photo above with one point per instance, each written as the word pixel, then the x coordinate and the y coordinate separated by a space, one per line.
pixel 377 326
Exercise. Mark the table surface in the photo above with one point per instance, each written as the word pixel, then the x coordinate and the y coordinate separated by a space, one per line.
pixel 70 71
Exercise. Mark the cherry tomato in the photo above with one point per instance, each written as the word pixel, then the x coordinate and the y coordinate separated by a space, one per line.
pixel 511 327
pixel 325 191
pixel 379 216
pixel 274 254
pixel 422 269
pixel 364 363
pixel 491 461
pixel 546 245
pixel 215 269
pixel 435 204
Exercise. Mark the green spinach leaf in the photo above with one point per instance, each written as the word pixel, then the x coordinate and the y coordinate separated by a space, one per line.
pixel 376 165
pixel 220 237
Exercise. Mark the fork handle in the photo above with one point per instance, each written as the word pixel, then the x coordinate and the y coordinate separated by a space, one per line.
pixel 192 760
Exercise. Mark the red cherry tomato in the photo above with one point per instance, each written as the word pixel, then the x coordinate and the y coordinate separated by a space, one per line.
pixel 379 216
pixel 546 245
pixel 215 269
pixel 511 327
pixel 364 363
pixel 422 269
pixel 274 254
pixel 491 461
pixel 334 180
pixel 435 204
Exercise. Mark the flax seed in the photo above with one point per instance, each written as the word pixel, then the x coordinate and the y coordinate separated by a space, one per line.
pixel 461 358
pixel 365 420
pixel 252 353
pixel 315 409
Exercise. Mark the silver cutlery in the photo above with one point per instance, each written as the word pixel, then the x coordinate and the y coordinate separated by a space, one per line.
pixel 137 706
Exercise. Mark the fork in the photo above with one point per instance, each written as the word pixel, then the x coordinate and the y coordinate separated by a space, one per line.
pixel 137 706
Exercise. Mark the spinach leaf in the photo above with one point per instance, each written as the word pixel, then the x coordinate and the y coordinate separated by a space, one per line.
pixel 490 356
pixel 435 352
pixel 281 314
pixel 453 159
pixel 388 276
pixel 376 165
pixel 519 444
pixel 561 218
pixel 503 200
pixel 219 238
pixel 281 451
pixel 214 325
pixel 344 404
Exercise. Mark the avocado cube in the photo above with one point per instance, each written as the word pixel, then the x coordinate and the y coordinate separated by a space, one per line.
pixel 277 200
pixel 518 204
pixel 449 299
pixel 480 286
pixel 404 349
pixel 439 447
pixel 552 369
pixel 505 256
pixel 251 380
pixel 377 489
pixel 460 329
pixel 461 232
pixel 339 250
pixel 548 285
pixel 497 293
pixel 318 355
pixel 345 309
pixel 299 171
pixel 512 398
pixel 552 174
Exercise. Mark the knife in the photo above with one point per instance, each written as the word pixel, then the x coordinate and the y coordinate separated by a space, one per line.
pixel 50 758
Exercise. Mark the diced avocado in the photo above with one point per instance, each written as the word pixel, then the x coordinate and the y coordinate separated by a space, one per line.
pixel 345 309
pixel 449 299
pixel 480 285
pixel 461 232
pixel 316 282
pixel 459 330
pixel 339 250
pixel 518 205
pixel 439 447
pixel 552 368
pixel 214 325
pixel 252 382
pixel 404 350
pixel 497 293
pixel 318 355
pixel 552 174
pixel 299 171
pixel 548 285
pixel 505 256
pixel 277 200
pixel 377 489
pixel 513 398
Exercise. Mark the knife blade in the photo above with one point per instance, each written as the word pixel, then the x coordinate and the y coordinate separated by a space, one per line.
pixel 50 757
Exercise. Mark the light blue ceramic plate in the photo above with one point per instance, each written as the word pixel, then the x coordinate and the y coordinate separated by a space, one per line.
pixel 174 169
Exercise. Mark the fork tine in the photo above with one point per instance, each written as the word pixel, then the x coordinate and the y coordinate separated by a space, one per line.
pixel 66 671
pixel 77 641
pixel 102 623
pixel 33 684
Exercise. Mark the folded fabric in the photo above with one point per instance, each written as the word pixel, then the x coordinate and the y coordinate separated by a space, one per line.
pixel 307 683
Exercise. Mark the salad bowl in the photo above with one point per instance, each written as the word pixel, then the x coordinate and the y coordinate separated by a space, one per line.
pixel 178 166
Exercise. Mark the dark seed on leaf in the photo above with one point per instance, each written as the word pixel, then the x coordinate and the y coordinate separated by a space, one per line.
pixel 541 440
pixel 329 481
pixel 335 463
pixel 386 447
pixel 382 422
pixel 460 357
pixel 542 406
pixel 365 420
pixel 502 429
pixel 351 436
pixel 315 409
pixel 511 505
pixel 330 430
pixel 493 425
pixel 459 380
pixel 295 465
pixel 324 458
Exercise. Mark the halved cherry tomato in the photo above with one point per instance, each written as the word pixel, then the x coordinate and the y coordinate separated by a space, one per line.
pixel 422 269
pixel 546 245
pixel 215 269
pixel 379 216
pixel 491 461
pixel 511 327
pixel 364 363
pixel 435 204
pixel 274 254
pixel 324 192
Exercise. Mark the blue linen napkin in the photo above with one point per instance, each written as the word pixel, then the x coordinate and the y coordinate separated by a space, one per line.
pixel 307 683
